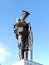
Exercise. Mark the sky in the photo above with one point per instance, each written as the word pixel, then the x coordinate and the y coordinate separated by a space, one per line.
pixel 39 20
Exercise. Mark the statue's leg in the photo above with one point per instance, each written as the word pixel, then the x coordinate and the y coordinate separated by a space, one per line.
pixel 21 54
pixel 26 55
pixel 20 46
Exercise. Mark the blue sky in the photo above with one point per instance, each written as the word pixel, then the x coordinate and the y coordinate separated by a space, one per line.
pixel 39 20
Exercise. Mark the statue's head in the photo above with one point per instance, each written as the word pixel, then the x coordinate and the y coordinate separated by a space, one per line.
pixel 24 15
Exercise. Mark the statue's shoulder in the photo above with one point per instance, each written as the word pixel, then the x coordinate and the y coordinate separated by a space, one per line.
pixel 18 20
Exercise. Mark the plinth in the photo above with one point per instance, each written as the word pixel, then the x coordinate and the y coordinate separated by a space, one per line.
pixel 26 62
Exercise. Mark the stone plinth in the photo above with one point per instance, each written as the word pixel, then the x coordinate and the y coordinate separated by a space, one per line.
pixel 26 62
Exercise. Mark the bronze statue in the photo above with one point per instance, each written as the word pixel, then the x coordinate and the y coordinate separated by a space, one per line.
pixel 23 31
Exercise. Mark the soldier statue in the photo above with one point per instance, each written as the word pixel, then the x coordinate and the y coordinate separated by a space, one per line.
pixel 22 31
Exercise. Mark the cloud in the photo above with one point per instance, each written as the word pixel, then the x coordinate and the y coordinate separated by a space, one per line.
pixel 4 53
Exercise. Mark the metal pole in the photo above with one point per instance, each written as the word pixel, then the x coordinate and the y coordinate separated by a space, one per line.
pixel 31 44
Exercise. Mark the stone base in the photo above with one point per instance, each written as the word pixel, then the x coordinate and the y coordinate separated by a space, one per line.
pixel 25 62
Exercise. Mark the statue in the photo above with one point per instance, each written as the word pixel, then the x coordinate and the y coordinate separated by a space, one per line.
pixel 23 34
